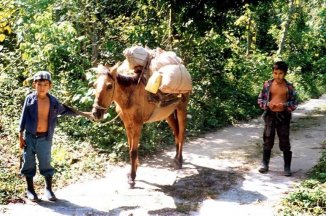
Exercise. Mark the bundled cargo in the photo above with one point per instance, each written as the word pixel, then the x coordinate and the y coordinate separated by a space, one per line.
pixel 166 70
pixel 175 79
pixel 136 56
pixel 163 58
pixel 124 68
pixel 168 74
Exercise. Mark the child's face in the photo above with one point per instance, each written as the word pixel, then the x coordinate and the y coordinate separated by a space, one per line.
pixel 42 87
pixel 278 75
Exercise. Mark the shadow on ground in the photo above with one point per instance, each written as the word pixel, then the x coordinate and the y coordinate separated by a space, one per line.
pixel 68 208
pixel 198 184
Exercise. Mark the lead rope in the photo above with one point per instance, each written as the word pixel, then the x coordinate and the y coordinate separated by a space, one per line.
pixel 106 123
pixel 90 117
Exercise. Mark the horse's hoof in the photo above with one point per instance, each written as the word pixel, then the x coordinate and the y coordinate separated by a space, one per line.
pixel 177 163
pixel 131 182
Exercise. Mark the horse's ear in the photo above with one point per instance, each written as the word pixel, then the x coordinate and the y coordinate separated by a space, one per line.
pixel 101 68
pixel 114 69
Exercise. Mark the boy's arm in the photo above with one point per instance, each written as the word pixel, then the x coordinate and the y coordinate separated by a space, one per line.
pixel 263 98
pixel 66 110
pixel 22 123
pixel 22 120
pixel 85 114
pixel 22 142
pixel 292 102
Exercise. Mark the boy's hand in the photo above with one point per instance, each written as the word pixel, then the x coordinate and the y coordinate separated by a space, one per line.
pixel 22 142
pixel 279 105
pixel 88 115
pixel 271 105
pixel 274 106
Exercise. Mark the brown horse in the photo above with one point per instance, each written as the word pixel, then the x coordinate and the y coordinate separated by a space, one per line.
pixel 135 109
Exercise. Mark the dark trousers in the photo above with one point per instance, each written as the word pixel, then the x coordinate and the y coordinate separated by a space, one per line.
pixel 279 122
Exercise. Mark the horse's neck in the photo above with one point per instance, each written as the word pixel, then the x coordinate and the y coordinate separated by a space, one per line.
pixel 125 96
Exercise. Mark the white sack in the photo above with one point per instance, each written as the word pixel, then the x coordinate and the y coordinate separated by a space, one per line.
pixel 175 79
pixel 136 56
pixel 164 58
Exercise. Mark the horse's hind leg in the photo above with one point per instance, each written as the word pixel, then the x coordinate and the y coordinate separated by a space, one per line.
pixel 173 123
pixel 181 118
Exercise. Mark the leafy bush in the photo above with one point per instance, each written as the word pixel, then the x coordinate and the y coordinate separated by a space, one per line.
pixel 309 198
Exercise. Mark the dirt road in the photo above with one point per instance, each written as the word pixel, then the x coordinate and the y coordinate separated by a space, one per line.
pixel 219 176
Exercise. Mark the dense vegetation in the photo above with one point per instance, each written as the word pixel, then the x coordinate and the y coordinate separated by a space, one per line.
pixel 227 46
pixel 309 198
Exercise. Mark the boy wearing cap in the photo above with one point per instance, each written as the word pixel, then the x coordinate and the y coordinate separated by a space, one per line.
pixel 278 98
pixel 37 124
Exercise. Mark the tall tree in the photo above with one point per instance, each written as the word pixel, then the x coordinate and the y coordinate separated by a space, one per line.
pixel 286 27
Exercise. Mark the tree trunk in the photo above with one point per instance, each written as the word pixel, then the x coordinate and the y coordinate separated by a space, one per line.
pixel 286 28
pixel 249 37
pixel 94 45
pixel 170 39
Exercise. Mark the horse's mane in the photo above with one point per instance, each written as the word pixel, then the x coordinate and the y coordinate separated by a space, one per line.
pixel 126 80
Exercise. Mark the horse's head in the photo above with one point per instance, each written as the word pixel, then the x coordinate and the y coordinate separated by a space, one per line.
pixel 104 90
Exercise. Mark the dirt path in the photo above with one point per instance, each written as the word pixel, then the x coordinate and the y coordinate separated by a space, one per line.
pixel 219 176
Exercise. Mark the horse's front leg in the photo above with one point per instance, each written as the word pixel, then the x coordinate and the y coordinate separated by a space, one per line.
pixel 133 133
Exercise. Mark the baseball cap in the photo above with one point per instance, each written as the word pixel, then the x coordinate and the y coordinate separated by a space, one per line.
pixel 42 75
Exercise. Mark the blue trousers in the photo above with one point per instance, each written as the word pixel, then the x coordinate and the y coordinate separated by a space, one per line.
pixel 37 147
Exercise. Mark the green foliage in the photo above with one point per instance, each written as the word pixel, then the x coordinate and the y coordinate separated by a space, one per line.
pixel 319 172
pixel 228 49
pixel 304 52
pixel 10 186
pixel 155 137
pixel 309 198
pixel 225 85
pixel 7 11
pixel 10 183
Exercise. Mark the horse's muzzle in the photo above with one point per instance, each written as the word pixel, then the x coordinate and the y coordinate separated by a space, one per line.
pixel 98 113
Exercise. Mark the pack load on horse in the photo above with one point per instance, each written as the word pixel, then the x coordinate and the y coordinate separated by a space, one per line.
pixel 125 86
pixel 167 72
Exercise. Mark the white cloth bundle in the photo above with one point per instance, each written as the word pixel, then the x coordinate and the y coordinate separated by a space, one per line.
pixel 175 79
pixel 166 69
pixel 163 58
pixel 136 56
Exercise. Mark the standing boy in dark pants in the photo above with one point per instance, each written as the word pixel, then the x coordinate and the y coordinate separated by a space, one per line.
pixel 37 126
pixel 278 99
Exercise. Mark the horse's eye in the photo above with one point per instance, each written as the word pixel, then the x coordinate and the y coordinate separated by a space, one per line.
pixel 109 86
